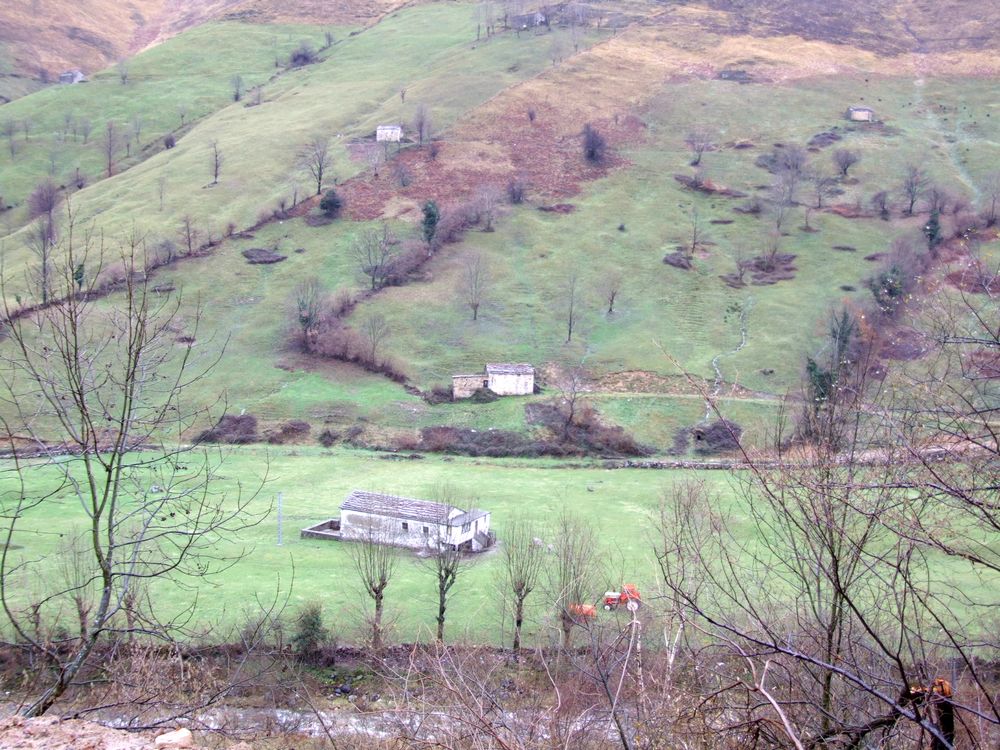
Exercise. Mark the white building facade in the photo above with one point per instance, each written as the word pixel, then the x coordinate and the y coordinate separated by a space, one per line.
pixel 417 524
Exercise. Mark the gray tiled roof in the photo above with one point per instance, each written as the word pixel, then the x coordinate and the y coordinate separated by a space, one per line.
pixel 469 516
pixel 510 369
pixel 398 507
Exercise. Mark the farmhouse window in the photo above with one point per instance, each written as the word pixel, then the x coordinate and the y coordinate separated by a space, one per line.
pixel 406 526
pixel 426 530
pixel 465 528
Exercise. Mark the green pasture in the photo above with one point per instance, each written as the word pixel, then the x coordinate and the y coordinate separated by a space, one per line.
pixel 189 75
pixel 620 504
pixel 429 50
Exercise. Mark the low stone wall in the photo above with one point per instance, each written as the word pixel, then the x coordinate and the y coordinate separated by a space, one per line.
pixel 329 530
pixel 463 386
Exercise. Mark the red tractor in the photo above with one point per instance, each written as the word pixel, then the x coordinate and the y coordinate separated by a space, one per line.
pixel 628 597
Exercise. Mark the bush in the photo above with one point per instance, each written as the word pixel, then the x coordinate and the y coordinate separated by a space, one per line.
pixel 483 396
pixel 304 54
pixel 310 634
pixel 169 141
pixel 721 436
pixel 439 394
pixel 289 431
pixel 594 146
pixel 431 217
pixel 331 204
pixel 328 437
pixel 232 429
pixel 516 192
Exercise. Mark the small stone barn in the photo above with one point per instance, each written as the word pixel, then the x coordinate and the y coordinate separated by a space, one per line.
pixel 72 76
pixel 406 522
pixel 861 114
pixel 502 379
pixel 388 133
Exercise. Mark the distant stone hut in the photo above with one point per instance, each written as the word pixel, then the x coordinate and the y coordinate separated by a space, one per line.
pixel 388 133
pixel 501 379
pixel 861 114
pixel 527 20
pixel 72 76
pixel 406 522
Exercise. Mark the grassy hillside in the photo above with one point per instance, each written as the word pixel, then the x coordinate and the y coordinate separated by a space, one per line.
pixel 647 87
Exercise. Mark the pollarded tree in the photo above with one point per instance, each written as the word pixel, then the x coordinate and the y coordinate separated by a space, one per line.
pixel 374 255
pixel 699 141
pixel 97 398
pixel 522 555
pixel 375 562
pixel 570 572
pixel 913 186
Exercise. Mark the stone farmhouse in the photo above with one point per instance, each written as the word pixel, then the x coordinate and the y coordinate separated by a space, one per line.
pixel 406 522
pixel 861 114
pixel 388 133
pixel 72 76
pixel 502 379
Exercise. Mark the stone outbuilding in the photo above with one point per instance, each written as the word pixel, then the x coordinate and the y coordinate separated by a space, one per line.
pixel 861 114
pixel 406 522
pixel 388 133
pixel 72 76
pixel 502 379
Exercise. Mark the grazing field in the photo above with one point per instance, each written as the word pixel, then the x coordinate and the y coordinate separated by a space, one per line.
pixel 620 504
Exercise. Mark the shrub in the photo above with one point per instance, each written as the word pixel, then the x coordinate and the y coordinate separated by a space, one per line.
pixel 483 396
pixel 721 436
pixel 439 394
pixel 331 204
pixel 516 192
pixel 594 146
pixel 328 437
pixel 431 217
pixel 232 429
pixel 304 54
pixel 169 141
pixel 310 633
pixel 289 431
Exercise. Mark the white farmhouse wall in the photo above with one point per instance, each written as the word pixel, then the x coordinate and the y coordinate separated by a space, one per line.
pixel 358 526
pixel 511 384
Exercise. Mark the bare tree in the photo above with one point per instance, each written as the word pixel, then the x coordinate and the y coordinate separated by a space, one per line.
pixel 310 300
pixel 699 141
pixel 422 124
pixel 122 69
pixel 315 158
pixel 189 234
pixel 844 159
pixel 914 184
pixel 824 187
pixel 10 131
pixel 216 161
pixel 41 239
pixel 880 202
pixel 136 128
pixel 92 373
pixel 570 571
pixel 571 301
pixel 488 200
pixel 111 143
pixel 571 386
pixel 696 231
pixel 236 84
pixel 86 127
pixel 372 251
pixel 476 281
pixel 991 198
pixel 376 331
pixel 611 287
pixel 42 201
pixel 161 188
pixel 522 555
pixel 182 112
pixel 375 562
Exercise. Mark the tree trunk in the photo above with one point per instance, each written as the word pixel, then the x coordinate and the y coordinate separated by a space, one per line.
pixel 518 621
pixel 377 624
